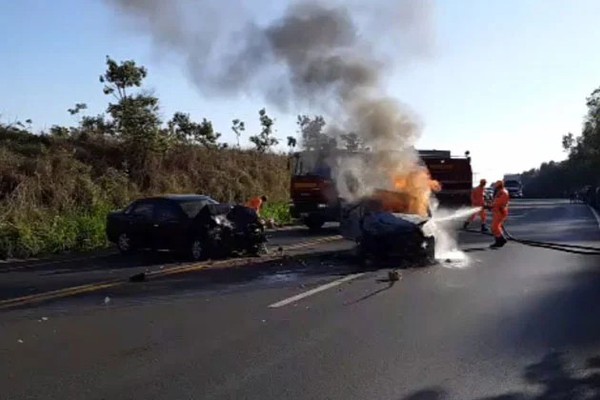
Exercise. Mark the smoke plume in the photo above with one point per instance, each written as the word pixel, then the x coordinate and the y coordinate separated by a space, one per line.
pixel 331 58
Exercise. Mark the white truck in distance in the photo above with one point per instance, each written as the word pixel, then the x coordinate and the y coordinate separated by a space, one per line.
pixel 513 184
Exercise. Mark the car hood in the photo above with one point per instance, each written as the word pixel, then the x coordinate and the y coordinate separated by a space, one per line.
pixel 356 221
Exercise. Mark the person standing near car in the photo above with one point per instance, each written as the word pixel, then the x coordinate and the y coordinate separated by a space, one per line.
pixel 478 200
pixel 500 214
pixel 256 203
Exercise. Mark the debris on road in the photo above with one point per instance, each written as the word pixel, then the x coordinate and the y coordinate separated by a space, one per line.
pixel 138 277
pixel 106 300
pixel 394 276
pixel 20 341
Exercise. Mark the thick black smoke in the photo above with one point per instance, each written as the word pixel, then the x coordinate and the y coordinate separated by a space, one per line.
pixel 332 58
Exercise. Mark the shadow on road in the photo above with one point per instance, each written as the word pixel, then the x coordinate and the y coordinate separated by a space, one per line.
pixel 568 313
pixel 389 282
pixel 476 249
pixel 287 271
pixel 554 377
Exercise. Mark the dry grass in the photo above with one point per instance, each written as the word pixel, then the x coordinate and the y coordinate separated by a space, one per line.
pixel 55 193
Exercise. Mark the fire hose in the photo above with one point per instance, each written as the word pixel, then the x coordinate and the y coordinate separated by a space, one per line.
pixel 567 248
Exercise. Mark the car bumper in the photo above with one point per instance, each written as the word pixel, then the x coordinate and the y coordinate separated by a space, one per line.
pixel 321 210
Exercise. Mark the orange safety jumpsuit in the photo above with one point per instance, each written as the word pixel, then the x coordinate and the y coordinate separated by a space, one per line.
pixel 500 210
pixel 478 200
pixel 255 203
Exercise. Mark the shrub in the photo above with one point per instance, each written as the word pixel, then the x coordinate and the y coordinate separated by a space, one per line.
pixel 56 199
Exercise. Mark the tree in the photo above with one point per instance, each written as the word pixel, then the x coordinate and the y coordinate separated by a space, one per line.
pixel 21 125
pixel 120 77
pixel 135 117
pixel 582 165
pixel 78 107
pixel 98 125
pixel 60 132
pixel 238 127
pixel 264 140
pixel 311 132
pixel 568 141
pixel 186 131
pixel 352 141
pixel 291 142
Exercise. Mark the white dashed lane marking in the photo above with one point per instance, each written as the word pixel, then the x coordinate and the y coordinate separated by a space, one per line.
pixel 316 290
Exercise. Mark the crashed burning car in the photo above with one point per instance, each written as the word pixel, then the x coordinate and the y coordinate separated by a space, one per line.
pixel 385 225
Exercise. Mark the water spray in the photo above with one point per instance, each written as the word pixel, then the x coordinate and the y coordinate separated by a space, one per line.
pixel 458 215
pixel 446 244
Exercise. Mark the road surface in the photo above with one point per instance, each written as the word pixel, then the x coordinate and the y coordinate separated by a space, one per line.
pixel 40 276
pixel 517 323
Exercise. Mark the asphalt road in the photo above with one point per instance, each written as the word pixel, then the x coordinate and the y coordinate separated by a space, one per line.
pixel 39 276
pixel 516 323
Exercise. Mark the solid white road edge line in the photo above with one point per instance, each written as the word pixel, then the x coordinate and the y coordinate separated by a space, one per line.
pixel 315 290
pixel 595 215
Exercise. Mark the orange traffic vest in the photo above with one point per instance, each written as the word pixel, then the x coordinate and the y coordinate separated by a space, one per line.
pixel 501 202
pixel 477 197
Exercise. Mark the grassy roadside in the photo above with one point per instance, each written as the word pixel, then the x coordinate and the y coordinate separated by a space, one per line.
pixel 279 212
pixel 44 232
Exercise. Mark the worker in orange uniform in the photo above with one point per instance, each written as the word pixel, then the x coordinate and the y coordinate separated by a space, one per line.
pixel 500 211
pixel 478 200
pixel 256 203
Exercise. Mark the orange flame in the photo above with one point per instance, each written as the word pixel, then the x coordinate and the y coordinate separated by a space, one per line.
pixel 411 194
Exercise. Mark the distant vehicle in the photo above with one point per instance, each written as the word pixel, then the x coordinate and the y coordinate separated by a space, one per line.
pixel 513 184
pixel 195 225
pixel 488 193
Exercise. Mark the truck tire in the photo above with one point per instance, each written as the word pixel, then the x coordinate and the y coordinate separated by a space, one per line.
pixel 314 223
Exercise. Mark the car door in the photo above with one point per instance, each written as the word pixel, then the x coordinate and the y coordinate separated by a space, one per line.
pixel 139 219
pixel 168 226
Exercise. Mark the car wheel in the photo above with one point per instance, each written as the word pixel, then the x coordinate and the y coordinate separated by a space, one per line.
pixel 197 250
pixel 125 244
pixel 314 224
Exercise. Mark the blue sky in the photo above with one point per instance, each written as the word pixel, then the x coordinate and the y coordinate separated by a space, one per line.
pixel 505 79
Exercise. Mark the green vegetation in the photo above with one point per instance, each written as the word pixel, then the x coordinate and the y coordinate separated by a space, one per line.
pixel 581 168
pixel 56 187
pixel 279 212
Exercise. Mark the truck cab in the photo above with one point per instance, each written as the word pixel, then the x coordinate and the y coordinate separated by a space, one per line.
pixel 313 194
pixel 513 184
pixel 454 174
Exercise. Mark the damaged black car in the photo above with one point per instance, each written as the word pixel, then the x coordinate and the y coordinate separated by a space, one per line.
pixel 194 225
